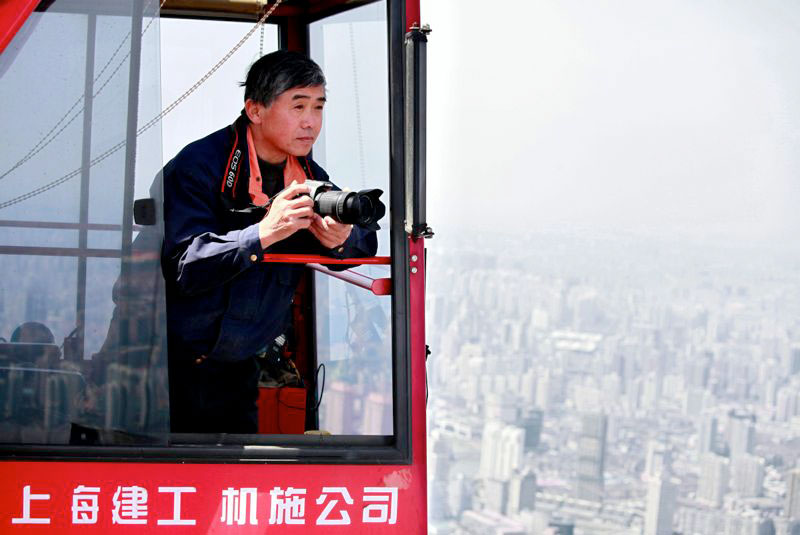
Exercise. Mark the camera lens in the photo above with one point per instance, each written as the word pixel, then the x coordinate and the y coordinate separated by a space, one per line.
pixel 362 208
pixel 334 204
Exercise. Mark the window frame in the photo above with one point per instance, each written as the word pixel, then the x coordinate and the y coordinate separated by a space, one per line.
pixel 305 449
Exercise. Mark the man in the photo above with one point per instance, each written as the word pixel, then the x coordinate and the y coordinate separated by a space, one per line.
pixel 228 198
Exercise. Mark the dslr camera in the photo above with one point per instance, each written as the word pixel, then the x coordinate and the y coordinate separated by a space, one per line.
pixel 362 208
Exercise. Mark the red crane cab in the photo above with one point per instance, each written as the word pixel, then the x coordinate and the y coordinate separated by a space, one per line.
pixel 97 96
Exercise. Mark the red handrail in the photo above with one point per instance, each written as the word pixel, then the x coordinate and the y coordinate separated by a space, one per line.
pixel 376 286
pixel 317 259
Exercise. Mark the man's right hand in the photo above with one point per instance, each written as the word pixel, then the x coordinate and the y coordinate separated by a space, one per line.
pixel 291 210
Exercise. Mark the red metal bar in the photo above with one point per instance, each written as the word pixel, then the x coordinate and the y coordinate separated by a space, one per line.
pixel 316 259
pixel 418 355
pixel 13 14
pixel 376 286
pixel 412 14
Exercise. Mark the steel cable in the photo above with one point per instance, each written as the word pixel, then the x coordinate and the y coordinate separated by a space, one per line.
pixel 150 123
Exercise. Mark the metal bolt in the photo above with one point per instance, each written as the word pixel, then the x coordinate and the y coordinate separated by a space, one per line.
pixel 414 270
pixel 413 258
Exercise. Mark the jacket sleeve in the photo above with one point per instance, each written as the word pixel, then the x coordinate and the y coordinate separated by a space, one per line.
pixel 361 243
pixel 198 254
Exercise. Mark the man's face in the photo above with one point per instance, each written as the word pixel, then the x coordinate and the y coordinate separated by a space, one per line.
pixel 288 126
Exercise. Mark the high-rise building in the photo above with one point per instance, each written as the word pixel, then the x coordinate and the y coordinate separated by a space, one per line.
pixel 707 435
pixel 521 492
pixel 741 433
pixel 560 527
pixel 440 459
pixel 502 447
pixel 747 475
pixel 794 360
pixel 713 482
pixel 698 371
pixel 377 418
pixel 339 413
pixel 694 400
pixel 528 387
pixel 491 430
pixel 544 391
pixel 592 456
pixel 490 523
pixel 791 508
pixel 494 495
pixel 459 494
pixel 658 460
pixel 660 506
pixel 786 403
pixel 501 406
pixel 532 424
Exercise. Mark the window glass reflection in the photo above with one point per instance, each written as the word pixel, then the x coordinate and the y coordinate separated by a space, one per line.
pixel 82 356
pixel 353 328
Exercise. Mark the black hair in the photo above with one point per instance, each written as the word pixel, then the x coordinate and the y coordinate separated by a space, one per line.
pixel 280 71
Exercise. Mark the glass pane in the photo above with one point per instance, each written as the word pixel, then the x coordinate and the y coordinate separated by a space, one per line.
pixel 82 357
pixel 615 340
pixel 190 48
pixel 353 327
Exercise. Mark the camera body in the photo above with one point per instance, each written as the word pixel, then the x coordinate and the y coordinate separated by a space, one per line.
pixel 362 208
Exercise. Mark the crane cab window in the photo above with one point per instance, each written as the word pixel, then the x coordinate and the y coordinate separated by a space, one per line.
pixel 83 322
pixel 353 330
pixel 81 317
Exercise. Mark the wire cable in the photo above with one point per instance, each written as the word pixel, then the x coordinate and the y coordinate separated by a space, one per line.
pixel 356 93
pixel 152 122
pixel 49 137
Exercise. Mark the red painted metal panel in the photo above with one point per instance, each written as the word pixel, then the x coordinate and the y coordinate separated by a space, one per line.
pixel 315 259
pixel 174 498
pixel 418 355
pixel 86 498
pixel 13 14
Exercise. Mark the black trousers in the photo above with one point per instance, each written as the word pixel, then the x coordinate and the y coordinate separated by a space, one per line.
pixel 213 397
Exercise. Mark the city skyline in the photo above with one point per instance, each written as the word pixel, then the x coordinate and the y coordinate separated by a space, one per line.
pixel 666 376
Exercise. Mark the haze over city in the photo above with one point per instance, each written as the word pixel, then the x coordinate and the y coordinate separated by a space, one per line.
pixel 614 286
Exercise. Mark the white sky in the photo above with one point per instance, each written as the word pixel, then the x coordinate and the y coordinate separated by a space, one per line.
pixel 680 117
pixel 672 118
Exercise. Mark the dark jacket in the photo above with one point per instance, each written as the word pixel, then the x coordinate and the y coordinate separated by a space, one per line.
pixel 222 301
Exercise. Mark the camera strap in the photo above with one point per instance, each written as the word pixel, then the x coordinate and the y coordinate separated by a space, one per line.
pixel 230 178
pixel 243 147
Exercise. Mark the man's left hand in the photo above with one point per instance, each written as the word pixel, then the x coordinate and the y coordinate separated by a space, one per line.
pixel 329 232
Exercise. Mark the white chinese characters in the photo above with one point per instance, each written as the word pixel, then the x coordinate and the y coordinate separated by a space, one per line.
pixel 27 498
pixel 235 505
pixel 287 507
pixel 176 519
pixel 385 506
pixel 344 516
pixel 130 504
pixel 84 505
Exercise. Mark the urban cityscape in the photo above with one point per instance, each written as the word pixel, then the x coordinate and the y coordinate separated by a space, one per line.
pixel 584 382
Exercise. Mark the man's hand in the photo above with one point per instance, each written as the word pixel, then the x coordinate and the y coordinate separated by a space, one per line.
pixel 291 210
pixel 329 232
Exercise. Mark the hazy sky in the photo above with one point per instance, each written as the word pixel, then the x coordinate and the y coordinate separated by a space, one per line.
pixel 673 117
